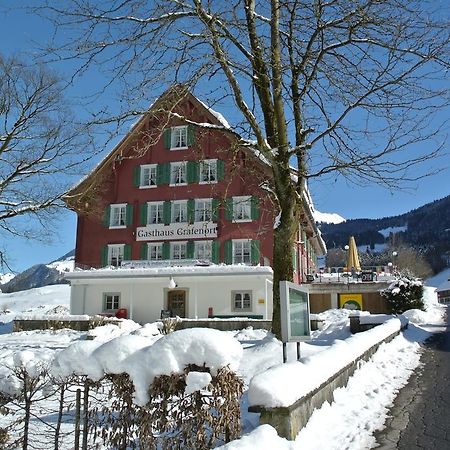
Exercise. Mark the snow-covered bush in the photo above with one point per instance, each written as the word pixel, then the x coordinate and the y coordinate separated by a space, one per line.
pixel 403 294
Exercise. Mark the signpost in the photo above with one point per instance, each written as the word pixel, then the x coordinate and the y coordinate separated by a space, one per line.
pixel 294 309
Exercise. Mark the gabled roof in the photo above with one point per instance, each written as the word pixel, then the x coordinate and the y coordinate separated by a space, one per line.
pixel 163 105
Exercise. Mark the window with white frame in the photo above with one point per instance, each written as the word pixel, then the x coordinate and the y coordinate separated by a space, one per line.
pixel 178 250
pixel 148 175
pixel 242 251
pixel 179 211
pixel 118 216
pixel 242 209
pixel 115 254
pixel 203 250
pixel 208 171
pixel 154 252
pixel 241 300
pixel 178 137
pixel 178 173
pixel 203 210
pixel 111 301
pixel 155 212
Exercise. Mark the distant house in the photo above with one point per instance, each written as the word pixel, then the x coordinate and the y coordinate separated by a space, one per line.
pixel 176 220
pixel 443 292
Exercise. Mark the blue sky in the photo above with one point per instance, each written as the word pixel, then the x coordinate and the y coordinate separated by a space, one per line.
pixel 18 33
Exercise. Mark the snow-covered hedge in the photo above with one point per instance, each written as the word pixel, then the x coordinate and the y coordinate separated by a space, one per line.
pixel 404 294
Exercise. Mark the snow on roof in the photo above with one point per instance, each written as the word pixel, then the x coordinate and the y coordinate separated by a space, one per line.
pixel 444 286
pixel 216 114
pixel 216 269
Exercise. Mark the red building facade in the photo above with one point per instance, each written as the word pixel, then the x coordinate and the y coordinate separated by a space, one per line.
pixel 179 187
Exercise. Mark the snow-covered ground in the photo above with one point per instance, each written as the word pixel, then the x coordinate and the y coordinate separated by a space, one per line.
pixel 358 410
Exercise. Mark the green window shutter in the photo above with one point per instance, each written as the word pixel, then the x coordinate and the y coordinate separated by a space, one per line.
pixel 144 252
pixel 255 252
pixel 163 173
pixel 229 209
pixel 193 172
pixel 166 213
pixel 106 216
pixel 129 214
pixel 190 249
pixel 166 250
pixel 220 169
pixel 255 208
pixel 144 208
pixel 137 176
pixel 191 211
pixel 167 135
pixel 104 256
pixel 190 135
pixel 228 252
pixel 215 210
pixel 215 252
pixel 127 252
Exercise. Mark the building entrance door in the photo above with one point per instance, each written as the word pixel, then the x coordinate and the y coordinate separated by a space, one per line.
pixel 176 302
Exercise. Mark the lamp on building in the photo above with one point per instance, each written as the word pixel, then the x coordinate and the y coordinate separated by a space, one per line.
pixel 172 284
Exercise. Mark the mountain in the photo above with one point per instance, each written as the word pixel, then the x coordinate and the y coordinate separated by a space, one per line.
pixel 41 275
pixel 321 217
pixel 427 229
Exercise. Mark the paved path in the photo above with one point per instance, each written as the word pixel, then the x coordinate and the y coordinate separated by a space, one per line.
pixel 420 417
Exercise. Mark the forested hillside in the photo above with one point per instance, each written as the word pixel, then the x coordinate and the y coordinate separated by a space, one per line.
pixel 427 229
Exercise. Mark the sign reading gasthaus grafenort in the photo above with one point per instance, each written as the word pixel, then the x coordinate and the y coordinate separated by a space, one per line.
pixel 174 231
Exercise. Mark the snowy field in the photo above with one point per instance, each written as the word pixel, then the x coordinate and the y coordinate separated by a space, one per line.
pixel 357 411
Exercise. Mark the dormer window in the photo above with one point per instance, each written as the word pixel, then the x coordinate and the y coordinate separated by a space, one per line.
pixel 178 138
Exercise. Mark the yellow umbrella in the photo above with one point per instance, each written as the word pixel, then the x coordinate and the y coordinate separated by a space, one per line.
pixel 352 255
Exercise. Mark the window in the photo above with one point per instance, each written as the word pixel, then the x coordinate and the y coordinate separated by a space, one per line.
pixel 178 250
pixel 179 211
pixel 115 254
pixel 242 209
pixel 178 137
pixel 203 210
pixel 154 252
pixel 118 216
pixel 155 212
pixel 148 176
pixel 242 251
pixel 241 300
pixel 203 250
pixel 208 171
pixel 111 301
pixel 178 173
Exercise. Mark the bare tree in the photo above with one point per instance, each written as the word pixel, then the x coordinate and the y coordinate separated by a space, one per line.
pixel 40 148
pixel 350 88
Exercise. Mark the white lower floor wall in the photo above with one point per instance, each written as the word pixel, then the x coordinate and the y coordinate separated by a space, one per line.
pixel 145 299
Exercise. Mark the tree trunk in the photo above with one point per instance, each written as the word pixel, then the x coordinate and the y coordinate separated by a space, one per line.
pixel 283 245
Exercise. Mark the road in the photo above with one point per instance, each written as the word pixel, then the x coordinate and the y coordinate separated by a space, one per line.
pixel 420 417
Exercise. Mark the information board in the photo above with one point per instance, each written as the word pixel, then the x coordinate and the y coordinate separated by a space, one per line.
pixel 294 310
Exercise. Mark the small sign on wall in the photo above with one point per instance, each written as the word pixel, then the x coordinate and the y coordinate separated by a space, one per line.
pixel 351 301
pixel 294 310
pixel 261 301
